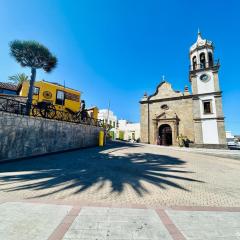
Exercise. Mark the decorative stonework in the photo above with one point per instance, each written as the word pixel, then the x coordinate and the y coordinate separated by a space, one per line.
pixel 168 107
pixel 164 90
pixel 185 112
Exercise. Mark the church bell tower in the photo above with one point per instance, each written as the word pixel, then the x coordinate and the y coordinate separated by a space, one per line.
pixel 207 97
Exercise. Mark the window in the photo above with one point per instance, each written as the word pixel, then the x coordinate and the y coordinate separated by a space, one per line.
pixel 164 107
pixel 207 107
pixel 72 96
pixel 60 97
pixel 6 91
pixel 114 124
pixel 202 60
pixel 210 59
pixel 194 62
pixel 35 90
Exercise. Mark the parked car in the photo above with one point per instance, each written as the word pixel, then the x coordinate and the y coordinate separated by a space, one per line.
pixel 233 145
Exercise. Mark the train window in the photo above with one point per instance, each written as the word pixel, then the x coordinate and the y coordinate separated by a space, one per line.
pixel 60 97
pixel 36 90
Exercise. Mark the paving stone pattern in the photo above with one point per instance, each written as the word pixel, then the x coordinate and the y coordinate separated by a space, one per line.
pixel 48 221
pixel 125 174
pixel 29 221
pixel 203 225
pixel 117 224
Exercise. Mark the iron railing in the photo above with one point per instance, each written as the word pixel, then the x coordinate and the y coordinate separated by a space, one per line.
pixel 206 65
pixel 10 105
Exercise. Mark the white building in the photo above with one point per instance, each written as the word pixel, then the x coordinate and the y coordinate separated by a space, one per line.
pixel 128 131
pixel 229 135
pixel 109 118
pixel 232 141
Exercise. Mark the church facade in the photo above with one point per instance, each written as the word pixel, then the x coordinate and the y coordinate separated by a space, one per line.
pixel 168 115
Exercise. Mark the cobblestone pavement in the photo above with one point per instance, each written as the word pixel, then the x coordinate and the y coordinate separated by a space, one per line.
pixel 125 174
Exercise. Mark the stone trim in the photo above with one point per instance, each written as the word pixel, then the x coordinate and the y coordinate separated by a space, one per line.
pixel 156 91
pixel 63 227
pixel 214 68
pixel 216 94
pixel 213 118
pixel 170 226
pixel 172 122
pixel 166 119
pixel 84 203
pixel 165 99
pixel 221 132
pixel 198 132
pixel 211 146
pixel 193 96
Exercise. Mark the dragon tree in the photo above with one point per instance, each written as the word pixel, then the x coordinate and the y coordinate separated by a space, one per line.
pixel 35 56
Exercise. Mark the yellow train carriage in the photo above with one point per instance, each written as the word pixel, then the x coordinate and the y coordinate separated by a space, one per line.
pixel 61 97
pixel 92 112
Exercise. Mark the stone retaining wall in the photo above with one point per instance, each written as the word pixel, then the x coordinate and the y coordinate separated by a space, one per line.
pixel 23 136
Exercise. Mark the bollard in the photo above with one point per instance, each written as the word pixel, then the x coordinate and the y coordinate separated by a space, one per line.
pixel 101 138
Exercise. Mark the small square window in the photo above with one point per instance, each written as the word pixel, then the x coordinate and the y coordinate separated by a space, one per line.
pixel 207 107
pixel 36 90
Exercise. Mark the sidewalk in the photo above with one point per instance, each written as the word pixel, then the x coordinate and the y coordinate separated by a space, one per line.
pixel 223 153
pixel 56 219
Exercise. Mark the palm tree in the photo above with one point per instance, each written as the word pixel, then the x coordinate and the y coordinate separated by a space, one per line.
pixel 35 56
pixel 18 78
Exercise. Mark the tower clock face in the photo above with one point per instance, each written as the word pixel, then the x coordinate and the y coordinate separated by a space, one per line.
pixel 205 77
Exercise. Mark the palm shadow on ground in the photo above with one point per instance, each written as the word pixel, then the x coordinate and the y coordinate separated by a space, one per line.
pixel 82 169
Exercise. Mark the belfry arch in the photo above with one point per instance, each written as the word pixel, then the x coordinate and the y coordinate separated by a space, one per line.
pixel 202 60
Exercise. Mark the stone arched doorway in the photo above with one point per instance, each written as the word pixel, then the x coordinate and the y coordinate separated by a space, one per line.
pixel 165 135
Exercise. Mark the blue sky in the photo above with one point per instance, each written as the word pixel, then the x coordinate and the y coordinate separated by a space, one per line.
pixel 117 50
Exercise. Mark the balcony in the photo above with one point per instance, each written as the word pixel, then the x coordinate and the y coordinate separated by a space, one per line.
pixel 204 66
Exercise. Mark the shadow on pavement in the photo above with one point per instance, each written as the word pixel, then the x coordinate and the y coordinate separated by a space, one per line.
pixel 80 170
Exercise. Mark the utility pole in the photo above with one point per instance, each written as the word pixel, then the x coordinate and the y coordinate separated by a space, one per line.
pixel 63 101
pixel 107 121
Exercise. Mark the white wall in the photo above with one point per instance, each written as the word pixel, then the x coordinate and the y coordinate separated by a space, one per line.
pixel 229 134
pixel 128 129
pixel 133 128
pixel 204 98
pixel 122 124
pixel 205 87
pixel 104 114
pixel 210 131
pixel 209 126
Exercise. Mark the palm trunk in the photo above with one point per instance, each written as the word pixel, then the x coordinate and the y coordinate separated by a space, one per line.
pixel 30 91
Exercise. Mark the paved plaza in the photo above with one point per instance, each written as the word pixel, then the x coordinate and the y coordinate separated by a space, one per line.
pixel 125 174
pixel 42 221
pixel 122 191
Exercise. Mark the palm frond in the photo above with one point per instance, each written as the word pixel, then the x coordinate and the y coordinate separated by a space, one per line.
pixel 18 78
